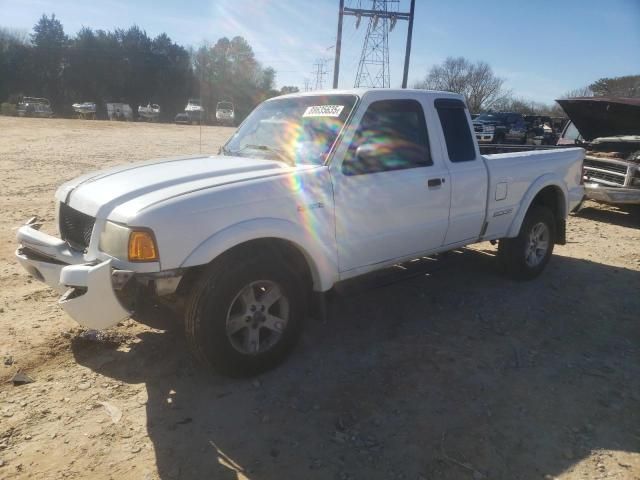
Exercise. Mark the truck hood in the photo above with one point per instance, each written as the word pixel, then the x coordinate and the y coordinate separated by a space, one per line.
pixel 603 116
pixel 119 193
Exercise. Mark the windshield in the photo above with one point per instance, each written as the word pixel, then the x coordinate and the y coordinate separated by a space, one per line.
pixel 194 102
pixel 571 132
pixel 491 117
pixel 225 106
pixel 299 130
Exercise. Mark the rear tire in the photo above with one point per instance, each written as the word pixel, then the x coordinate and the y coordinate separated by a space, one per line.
pixel 244 315
pixel 526 255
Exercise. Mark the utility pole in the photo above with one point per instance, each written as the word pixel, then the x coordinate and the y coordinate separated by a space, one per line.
pixel 336 64
pixel 373 68
pixel 320 71
pixel 407 54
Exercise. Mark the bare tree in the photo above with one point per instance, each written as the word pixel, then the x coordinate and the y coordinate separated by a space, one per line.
pixel 476 81
pixel 14 36
pixel 579 92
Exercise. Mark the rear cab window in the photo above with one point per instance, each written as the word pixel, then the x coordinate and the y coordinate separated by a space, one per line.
pixel 456 129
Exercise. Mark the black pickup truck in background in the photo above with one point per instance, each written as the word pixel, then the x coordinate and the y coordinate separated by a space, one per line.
pixel 500 127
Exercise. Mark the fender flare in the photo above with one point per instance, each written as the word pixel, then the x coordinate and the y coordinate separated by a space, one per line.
pixel 546 180
pixel 322 260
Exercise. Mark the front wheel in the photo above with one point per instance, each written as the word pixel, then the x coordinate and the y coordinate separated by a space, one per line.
pixel 244 317
pixel 526 255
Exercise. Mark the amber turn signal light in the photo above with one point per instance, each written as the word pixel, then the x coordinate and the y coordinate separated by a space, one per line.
pixel 142 247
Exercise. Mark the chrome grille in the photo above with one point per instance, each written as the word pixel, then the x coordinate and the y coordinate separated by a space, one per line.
pixel 75 227
pixel 607 166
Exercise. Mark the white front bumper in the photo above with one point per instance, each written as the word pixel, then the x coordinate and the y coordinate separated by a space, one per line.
pixel 88 295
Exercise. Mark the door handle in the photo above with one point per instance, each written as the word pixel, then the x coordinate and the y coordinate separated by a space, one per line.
pixel 435 182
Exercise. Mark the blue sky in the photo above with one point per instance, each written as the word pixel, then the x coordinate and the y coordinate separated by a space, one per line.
pixel 542 49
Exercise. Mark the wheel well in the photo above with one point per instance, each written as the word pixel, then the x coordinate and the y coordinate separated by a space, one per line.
pixel 553 198
pixel 283 251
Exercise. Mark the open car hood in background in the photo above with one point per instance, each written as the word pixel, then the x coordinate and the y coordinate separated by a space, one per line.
pixel 603 116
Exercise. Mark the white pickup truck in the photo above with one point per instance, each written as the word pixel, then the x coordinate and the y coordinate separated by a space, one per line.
pixel 312 189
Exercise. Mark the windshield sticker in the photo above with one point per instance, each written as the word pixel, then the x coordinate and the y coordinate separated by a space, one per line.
pixel 323 111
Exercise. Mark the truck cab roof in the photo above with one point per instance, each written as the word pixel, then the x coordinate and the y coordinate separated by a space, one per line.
pixel 381 92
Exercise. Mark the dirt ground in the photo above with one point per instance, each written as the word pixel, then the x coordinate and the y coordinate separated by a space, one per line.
pixel 445 369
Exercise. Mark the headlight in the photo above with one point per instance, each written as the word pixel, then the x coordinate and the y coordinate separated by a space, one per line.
pixel 132 244
pixel 489 128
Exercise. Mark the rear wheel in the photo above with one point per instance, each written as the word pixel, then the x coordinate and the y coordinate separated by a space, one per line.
pixel 526 255
pixel 244 316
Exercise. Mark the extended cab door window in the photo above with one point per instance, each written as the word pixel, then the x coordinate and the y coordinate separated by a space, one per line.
pixel 457 134
pixel 391 136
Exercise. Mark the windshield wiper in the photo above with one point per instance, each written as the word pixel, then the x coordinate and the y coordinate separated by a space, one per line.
pixel 266 148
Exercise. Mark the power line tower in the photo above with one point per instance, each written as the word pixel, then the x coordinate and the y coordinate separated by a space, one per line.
pixel 373 68
pixel 320 71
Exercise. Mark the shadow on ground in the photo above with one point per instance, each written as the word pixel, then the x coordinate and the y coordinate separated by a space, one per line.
pixel 455 372
pixel 621 215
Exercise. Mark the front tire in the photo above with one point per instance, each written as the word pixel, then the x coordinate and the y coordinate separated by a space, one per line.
pixel 244 316
pixel 526 255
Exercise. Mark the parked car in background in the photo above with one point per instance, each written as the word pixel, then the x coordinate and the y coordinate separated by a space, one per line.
pixel 544 130
pixel 119 111
pixel 609 129
pixel 194 110
pixel 150 112
pixel 313 189
pixel 34 107
pixel 85 110
pixel 500 127
pixel 225 114
pixel 182 119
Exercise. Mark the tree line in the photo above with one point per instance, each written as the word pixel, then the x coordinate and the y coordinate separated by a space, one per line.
pixel 126 65
pixel 484 90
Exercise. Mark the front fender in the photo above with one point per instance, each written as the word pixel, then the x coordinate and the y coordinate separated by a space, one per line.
pixel 320 253
pixel 547 180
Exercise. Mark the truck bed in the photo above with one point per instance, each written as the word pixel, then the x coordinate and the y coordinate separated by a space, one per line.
pixel 509 186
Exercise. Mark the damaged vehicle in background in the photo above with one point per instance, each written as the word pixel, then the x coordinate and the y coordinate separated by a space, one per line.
pixel 609 129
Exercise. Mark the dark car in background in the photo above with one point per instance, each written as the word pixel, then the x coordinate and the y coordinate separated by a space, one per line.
pixel 500 127
pixel 543 129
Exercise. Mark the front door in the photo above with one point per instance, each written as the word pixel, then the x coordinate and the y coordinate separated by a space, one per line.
pixel 391 199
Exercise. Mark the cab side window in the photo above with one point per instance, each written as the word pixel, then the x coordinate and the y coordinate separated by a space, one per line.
pixel 391 136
